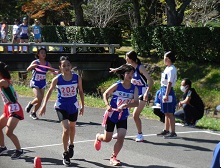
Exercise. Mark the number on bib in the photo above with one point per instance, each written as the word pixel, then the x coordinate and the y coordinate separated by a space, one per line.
pixel 13 108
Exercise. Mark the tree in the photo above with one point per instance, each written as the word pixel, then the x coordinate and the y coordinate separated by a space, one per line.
pixel 77 6
pixel 202 13
pixel 103 13
pixel 175 14
pixel 46 9
pixel 145 12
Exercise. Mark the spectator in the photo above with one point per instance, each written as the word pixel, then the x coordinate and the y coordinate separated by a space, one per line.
pixel 36 31
pixel 4 33
pixel 24 33
pixel 168 97
pixel 157 108
pixel 193 106
pixel 15 35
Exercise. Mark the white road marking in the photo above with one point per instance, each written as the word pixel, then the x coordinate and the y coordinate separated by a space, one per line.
pixel 145 135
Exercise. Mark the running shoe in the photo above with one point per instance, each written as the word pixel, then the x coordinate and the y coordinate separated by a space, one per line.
pixel 114 161
pixel 97 143
pixel 3 150
pixel 66 159
pixel 28 107
pixel 71 151
pixel 33 115
pixel 17 154
pixel 139 138
pixel 171 135
pixel 114 136
pixel 163 133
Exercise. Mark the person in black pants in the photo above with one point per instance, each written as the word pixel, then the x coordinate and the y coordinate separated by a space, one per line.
pixel 156 108
pixel 192 104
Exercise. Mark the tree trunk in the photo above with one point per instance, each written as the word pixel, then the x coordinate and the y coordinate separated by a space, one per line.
pixel 175 16
pixel 137 17
pixel 79 19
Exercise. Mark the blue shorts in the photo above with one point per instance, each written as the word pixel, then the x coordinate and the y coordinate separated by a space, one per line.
pixel 141 90
pixel 170 105
pixel 38 84
pixel 37 36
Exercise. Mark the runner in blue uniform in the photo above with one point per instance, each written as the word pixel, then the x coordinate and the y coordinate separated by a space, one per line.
pixel 124 95
pixel 38 82
pixel 144 82
pixel 67 106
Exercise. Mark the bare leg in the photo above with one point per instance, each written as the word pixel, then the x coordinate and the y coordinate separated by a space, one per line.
pixel 136 115
pixel 121 132
pixel 3 122
pixel 39 94
pixel 11 125
pixel 72 132
pixel 171 122
pixel 65 134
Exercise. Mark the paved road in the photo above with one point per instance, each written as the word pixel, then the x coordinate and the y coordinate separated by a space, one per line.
pixel 192 149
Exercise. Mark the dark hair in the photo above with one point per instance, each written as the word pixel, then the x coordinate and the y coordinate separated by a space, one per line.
pixel 16 20
pixel 63 58
pixel 123 69
pixel 4 70
pixel 133 56
pixel 38 52
pixel 187 82
pixel 171 56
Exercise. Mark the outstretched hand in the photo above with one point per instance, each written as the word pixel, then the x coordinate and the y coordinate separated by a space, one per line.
pixel 112 70
pixel 42 110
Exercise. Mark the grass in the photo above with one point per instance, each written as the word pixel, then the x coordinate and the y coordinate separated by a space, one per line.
pixel 206 83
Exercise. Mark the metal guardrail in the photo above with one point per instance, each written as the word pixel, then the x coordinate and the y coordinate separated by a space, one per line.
pixel 73 46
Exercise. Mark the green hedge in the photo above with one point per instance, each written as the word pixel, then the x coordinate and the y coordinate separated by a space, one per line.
pixel 74 34
pixel 197 44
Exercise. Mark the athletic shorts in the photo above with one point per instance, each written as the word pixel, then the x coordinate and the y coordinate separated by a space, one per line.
pixel 38 84
pixel 141 90
pixel 13 110
pixel 24 36
pixel 109 126
pixel 170 105
pixel 63 115
pixel 37 36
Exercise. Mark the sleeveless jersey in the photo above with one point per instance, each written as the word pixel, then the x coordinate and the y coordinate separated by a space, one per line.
pixel 140 81
pixel 119 97
pixel 39 76
pixel 8 95
pixel 24 30
pixel 67 94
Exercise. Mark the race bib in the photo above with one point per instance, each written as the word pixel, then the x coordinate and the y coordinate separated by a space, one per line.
pixel 36 31
pixel 170 99
pixel 13 108
pixel 137 82
pixel 39 77
pixel 121 101
pixel 68 90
